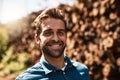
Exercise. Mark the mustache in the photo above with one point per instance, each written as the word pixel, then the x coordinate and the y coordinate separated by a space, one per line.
pixel 54 42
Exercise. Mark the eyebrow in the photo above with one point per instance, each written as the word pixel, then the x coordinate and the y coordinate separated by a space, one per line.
pixel 58 30
pixel 62 30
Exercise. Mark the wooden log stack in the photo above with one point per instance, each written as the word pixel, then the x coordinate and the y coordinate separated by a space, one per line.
pixel 94 36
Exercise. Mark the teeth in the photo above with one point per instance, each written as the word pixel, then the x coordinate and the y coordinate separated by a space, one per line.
pixel 56 46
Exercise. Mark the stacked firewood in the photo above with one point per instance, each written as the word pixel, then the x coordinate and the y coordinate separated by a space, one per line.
pixel 93 37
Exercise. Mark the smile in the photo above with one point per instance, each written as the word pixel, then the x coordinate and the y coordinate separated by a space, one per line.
pixel 55 46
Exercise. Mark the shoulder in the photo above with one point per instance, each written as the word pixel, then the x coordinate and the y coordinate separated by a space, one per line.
pixel 31 73
pixel 80 66
pixel 82 69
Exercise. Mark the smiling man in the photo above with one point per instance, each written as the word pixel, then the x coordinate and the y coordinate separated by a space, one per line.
pixel 51 35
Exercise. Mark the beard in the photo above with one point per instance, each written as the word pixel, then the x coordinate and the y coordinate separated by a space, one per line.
pixel 53 53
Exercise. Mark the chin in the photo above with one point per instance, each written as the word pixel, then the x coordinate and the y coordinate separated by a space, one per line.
pixel 52 53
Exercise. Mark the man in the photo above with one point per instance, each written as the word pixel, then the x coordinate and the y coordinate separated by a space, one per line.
pixel 54 64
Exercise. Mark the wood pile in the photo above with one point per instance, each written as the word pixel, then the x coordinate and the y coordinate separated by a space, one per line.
pixel 93 37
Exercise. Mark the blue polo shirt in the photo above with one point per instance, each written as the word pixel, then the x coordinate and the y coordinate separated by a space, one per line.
pixel 45 71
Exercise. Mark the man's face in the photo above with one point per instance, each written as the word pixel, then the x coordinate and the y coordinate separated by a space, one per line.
pixel 53 37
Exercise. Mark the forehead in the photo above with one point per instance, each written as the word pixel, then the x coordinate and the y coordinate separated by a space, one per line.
pixel 53 23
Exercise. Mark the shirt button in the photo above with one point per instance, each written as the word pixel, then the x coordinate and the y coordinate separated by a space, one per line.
pixel 63 72
pixel 54 70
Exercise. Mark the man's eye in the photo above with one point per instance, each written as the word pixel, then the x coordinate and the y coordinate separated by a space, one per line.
pixel 61 33
pixel 48 34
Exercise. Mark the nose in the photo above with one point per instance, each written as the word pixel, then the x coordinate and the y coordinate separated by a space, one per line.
pixel 55 37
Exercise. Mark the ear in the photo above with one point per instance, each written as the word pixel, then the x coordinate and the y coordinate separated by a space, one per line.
pixel 37 39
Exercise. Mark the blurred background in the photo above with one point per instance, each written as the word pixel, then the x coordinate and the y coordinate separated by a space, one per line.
pixel 93 31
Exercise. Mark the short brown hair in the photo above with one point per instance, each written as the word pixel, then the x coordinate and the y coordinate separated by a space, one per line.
pixel 49 13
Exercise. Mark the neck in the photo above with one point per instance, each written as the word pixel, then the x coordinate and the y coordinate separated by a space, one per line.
pixel 57 62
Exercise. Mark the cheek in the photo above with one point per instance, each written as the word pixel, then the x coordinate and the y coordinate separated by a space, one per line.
pixel 64 39
pixel 43 40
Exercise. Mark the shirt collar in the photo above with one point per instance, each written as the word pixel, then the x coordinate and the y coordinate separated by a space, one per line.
pixel 48 68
